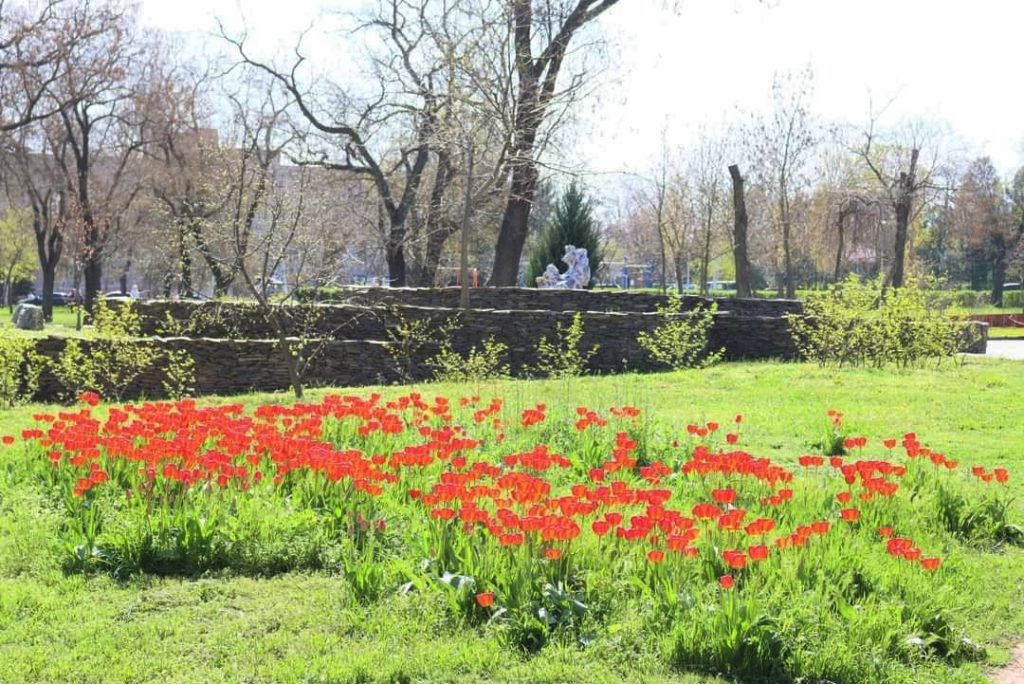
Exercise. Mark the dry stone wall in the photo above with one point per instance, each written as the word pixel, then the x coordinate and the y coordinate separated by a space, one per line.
pixel 235 366
pixel 231 347
pixel 520 298
pixel 615 332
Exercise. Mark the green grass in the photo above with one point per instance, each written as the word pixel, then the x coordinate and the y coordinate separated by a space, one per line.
pixel 312 627
pixel 64 324
pixel 1005 333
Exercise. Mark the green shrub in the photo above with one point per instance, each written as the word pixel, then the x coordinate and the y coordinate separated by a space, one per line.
pixel 563 357
pixel 20 367
pixel 865 324
pixel 179 370
pixel 112 360
pixel 481 362
pixel 572 224
pixel 682 340
pixel 406 338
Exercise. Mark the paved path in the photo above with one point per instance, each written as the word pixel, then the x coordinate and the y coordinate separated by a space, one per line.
pixel 1006 349
pixel 1013 673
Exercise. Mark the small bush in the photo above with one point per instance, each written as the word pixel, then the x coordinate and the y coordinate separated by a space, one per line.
pixel 563 357
pixel 111 361
pixel 406 338
pixel 481 362
pixel 864 324
pixel 20 367
pixel 682 341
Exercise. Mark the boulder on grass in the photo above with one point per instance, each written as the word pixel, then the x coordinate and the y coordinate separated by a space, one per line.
pixel 28 317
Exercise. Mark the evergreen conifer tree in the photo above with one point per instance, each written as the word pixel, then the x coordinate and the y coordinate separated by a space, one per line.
pixel 571 224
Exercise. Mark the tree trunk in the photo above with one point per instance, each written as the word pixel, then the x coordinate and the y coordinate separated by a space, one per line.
pixel 787 260
pixel 905 188
pixel 124 274
pixel 840 231
pixel 664 261
pixel 902 222
pixel 222 277
pixel 395 255
pixel 437 230
pixel 999 266
pixel 93 272
pixel 432 257
pixel 998 278
pixel 514 226
pixel 185 287
pixel 49 275
pixel 706 257
pixel 49 245
pixel 739 231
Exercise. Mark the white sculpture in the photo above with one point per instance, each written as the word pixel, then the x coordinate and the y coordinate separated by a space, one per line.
pixel 550 277
pixel 576 277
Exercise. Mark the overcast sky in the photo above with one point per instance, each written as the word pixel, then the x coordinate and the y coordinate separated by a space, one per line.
pixel 678 65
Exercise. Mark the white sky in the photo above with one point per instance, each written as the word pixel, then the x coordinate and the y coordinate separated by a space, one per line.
pixel 683 64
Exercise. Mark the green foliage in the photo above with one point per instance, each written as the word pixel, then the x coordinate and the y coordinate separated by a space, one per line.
pixel 481 362
pixel 406 338
pixel 571 224
pixel 864 324
pixel 682 340
pixel 983 522
pixel 179 371
pixel 20 368
pixel 111 361
pixel 972 299
pixel 214 319
pixel 17 254
pixel 563 357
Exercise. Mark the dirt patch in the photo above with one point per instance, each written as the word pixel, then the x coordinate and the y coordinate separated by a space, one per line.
pixel 1013 673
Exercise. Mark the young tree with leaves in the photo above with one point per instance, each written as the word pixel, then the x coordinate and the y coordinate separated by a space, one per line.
pixel 16 260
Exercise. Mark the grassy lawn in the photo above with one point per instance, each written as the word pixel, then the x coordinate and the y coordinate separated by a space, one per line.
pixel 1005 333
pixel 224 625
pixel 64 324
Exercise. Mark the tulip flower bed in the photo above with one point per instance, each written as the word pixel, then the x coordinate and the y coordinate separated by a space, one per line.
pixel 545 526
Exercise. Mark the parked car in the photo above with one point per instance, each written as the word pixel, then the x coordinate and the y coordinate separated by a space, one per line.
pixel 59 299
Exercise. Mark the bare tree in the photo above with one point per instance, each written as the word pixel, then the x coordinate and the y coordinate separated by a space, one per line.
pixel 31 46
pixel 541 38
pixel 894 161
pixel 706 168
pixel 781 145
pixel 185 172
pixel 31 180
pixel 95 136
pixel 359 137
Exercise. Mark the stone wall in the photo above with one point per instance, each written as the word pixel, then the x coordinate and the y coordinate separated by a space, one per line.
pixel 235 366
pixel 230 345
pixel 226 366
pixel 743 337
pixel 521 298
